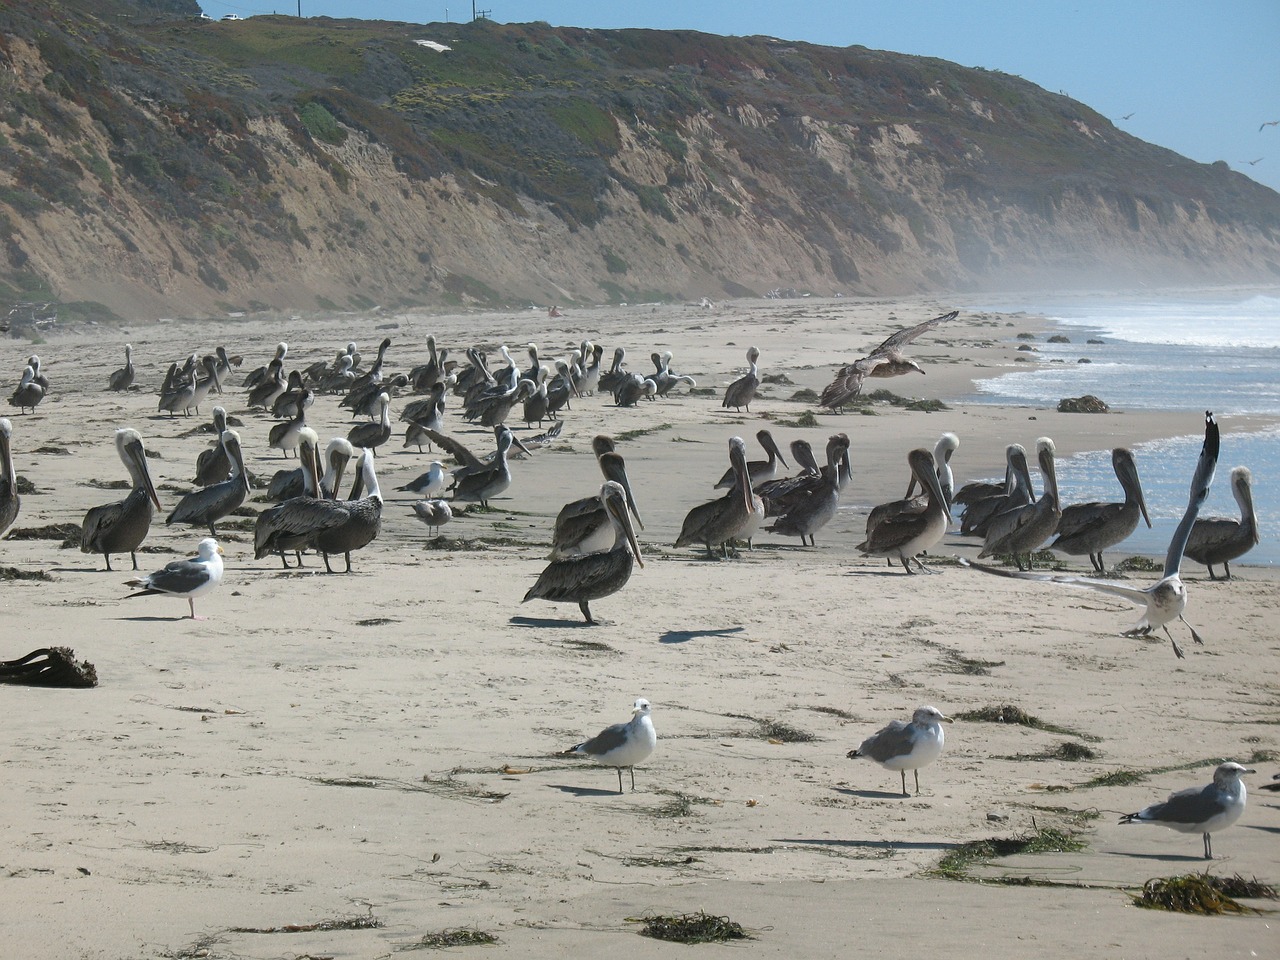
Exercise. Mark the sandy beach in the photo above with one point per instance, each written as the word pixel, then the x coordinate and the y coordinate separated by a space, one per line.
pixel 386 744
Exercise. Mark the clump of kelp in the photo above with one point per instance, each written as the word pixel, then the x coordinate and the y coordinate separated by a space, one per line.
pixel 1202 893
pixel 700 927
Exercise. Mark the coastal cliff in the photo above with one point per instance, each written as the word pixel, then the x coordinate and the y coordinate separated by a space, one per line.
pixel 157 164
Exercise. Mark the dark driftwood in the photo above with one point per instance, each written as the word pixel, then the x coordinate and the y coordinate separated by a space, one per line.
pixel 49 667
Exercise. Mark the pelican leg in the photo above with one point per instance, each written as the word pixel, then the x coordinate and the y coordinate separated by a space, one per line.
pixel 134 557
pixel 1177 650
pixel 1211 576
pixel 284 560
pixel 922 567
pixel 586 612
pixel 327 568
pixel 108 556
pixel 212 532
pixel 1194 636
pixel 1226 565
pixel 1096 560
pixel 348 561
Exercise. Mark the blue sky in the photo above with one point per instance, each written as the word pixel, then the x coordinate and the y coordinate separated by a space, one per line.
pixel 1197 76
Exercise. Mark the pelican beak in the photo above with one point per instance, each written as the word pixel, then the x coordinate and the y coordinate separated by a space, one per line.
pixel 618 508
pixel 139 455
pixel 515 442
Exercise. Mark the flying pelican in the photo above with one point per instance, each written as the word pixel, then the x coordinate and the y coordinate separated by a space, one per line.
pixel 1023 529
pixel 1166 599
pixel 760 471
pixel 1202 810
pixel 813 512
pixel 886 360
pixel 9 499
pixel 907 535
pixel 122 379
pixel 1092 527
pixel 184 578
pixel 206 507
pixel 362 519
pixel 121 527
pixel 906 746
pixel 582 526
pixel 742 391
pixel 622 745
pixel 590 576
pixel 735 515
pixel 1223 539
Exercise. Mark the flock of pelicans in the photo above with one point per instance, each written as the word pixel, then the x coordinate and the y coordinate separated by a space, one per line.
pixel 594 543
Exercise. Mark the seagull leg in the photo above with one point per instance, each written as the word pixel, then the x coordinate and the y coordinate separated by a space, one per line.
pixel 619 769
pixel 907 567
pixel 917 773
pixel 904 783
pixel 633 778
pixel 1176 649
pixel 1194 636
pixel 1208 847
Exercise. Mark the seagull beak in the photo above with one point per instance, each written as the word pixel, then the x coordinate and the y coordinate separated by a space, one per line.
pixel 948 720
pixel 221 551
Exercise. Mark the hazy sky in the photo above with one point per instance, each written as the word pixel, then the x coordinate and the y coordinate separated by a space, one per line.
pixel 1197 76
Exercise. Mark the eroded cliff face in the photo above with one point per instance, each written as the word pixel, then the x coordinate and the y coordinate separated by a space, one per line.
pixel 864 207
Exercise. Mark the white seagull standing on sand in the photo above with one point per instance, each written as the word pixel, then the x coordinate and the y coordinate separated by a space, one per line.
pixel 1165 599
pixel 622 744
pixel 184 578
pixel 1202 810
pixel 906 746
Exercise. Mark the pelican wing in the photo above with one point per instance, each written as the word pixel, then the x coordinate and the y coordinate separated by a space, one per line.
pixel 1082 519
pixel 98 521
pixel 903 337
pixel 459 452
pixel 1200 482
pixel 575 577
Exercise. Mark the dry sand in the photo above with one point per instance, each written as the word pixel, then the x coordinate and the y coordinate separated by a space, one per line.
pixel 385 744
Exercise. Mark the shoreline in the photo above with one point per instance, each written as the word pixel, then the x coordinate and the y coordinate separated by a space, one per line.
pixel 388 744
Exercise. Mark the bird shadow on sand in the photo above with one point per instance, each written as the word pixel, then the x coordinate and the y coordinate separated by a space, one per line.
pixel 1163 857
pixel 867 844
pixel 873 794
pixel 881 572
pixel 684 636
pixel 157 619
pixel 582 791
pixel 547 622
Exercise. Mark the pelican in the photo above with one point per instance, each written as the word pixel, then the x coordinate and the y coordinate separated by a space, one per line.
pixel 206 507
pixel 337 454
pixel 590 368
pixel 1023 529
pixel 886 360
pixel 560 388
pixel 121 527
pixel 184 578
pixel 434 513
pixel 737 514
pixel 289 525
pixel 760 471
pixel 907 535
pixel 742 391
pixel 213 465
pixel 122 379
pixel 265 392
pixel 815 511
pixel 29 391
pixel 361 518
pixel 340 378
pixel 1223 539
pixel 780 494
pixel 535 404
pixel 9 500
pixel 255 377
pixel 582 526
pixel 616 373
pixel 488 480
pixel 942 451
pixel 1166 599
pixel 372 435
pixel 1092 527
pixel 289 403
pixel 284 436
pixel 1016 492
pixel 590 576
pixel 631 388
pixel 374 374
pixel 363 401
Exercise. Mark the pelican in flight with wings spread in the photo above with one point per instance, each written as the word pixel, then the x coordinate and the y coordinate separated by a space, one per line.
pixel 1166 599
pixel 886 360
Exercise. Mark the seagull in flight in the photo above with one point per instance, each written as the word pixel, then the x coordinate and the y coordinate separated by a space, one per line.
pixel 1164 600
pixel 1253 163
pixel 1268 123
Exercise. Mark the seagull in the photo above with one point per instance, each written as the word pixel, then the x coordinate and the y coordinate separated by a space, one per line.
pixel 622 744
pixel 1164 600
pixel 906 746
pixel 1253 163
pixel 1268 123
pixel 1200 809
pixel 184 578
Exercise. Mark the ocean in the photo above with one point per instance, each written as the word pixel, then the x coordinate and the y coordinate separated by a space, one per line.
pixel 1194 351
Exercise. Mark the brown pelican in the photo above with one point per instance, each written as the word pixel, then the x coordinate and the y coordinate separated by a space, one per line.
pixel 9 500
pixel 486 481
pixel 760 471
pixel 616 373
pixel 184 578
pixel 121 527
pixel 226 363
pixel 590 382
pixel 886 360
pixel 1017 492
pixel 284 436
pixel 192 394
pixel 780 494
pixel 361 520
pixel 337 454
pixel 1221 539
pixel 1092 527
pixel 340 378
pixel 1023 529
pixel 535 404
pixel 423 415
pixel 632 388
pixel 1166 599
pixel 274 383
pixel 815 511
pixel 582 526
pixel 29 391
pixel 122 379
pixel 735 515
pixel 942 451
pixel 434 513
pixel 374 373
pixel 363 402
pixel 907 535
pixel 255 377
pixel 560 388
pixel 1201 810
pixel 742 391
pixel 622 745
pixel 289 525
pixel 206 507
pixel 371 435
pixel 590 576
pixel 213 465
pixel 289 402
pixel 427 375
pixel 906 746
